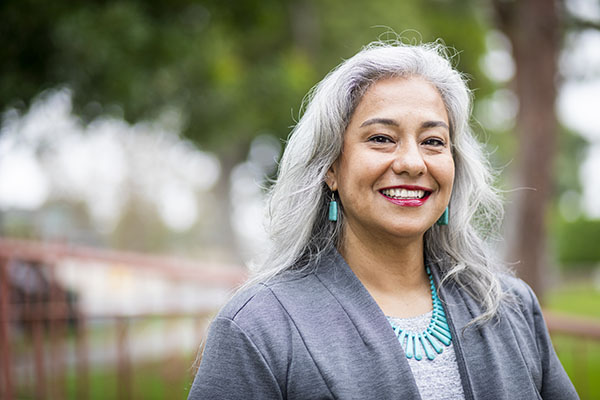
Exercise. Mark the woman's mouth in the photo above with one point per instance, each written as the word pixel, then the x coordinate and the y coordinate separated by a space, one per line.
pixel 406 197
pixel 404 194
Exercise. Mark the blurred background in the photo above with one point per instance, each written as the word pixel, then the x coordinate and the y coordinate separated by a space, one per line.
pixel 137 139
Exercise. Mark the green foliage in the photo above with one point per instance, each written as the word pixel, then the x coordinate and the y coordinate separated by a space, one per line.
pixel 577 243
pixel 230 69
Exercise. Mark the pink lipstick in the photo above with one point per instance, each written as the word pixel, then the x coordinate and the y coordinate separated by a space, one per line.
pixel 406 195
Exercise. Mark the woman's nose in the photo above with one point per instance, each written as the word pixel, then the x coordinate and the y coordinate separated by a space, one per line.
pixel 408 159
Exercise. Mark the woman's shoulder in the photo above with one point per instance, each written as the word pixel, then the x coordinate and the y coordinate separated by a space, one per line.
pixel 518 293
pixel 264 299
pixel 515 286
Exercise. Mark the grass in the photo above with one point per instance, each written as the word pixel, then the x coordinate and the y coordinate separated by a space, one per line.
pixel 581 360
pixel 170 379
pixel 581 299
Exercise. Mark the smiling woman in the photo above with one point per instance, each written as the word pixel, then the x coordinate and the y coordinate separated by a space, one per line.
pixel 364 295
pixel 395 174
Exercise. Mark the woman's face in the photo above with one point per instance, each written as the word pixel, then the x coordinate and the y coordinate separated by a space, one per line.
pixel 394 176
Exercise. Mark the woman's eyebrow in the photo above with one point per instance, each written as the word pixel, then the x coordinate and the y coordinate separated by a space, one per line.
pixel 434 124
pixel 391 122
pixel 383 121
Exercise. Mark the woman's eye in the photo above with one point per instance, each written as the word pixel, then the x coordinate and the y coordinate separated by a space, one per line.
pixel 434 142
pixel 380 139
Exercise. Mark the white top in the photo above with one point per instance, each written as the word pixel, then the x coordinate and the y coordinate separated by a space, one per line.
pixel 437 379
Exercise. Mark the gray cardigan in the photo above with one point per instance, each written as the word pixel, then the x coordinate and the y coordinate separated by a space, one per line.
pixel 320 335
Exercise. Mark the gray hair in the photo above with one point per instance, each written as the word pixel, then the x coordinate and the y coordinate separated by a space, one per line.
pixel 298 201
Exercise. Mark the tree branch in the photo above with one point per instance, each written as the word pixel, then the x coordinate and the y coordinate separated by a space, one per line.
pixel 576 23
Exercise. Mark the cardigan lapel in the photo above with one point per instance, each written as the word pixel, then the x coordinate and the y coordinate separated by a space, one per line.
pixel 380 353
pixel 490 361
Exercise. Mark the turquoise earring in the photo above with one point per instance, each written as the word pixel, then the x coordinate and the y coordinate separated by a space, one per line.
pixel 333 209
pixel 443 220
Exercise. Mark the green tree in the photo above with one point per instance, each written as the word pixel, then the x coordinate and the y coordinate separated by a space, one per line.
pixel 228 70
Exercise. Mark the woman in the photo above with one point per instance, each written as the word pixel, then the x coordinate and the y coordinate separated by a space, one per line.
pixel 379 284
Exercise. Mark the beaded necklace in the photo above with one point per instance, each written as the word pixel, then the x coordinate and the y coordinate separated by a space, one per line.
pixel 430 340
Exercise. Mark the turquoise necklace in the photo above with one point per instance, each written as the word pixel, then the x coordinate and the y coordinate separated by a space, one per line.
pixel 429 341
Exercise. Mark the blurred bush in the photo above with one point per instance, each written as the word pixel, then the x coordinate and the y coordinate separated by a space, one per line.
pixel 578 243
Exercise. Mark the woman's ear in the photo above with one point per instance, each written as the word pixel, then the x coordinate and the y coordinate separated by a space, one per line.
pixel 330 177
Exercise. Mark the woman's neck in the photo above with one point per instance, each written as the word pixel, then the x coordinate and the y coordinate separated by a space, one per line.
pixel 392 272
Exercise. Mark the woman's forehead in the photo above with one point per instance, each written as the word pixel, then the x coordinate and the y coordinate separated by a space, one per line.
pixel 394 97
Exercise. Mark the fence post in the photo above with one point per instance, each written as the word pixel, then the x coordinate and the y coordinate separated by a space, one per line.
pixel 37 332
pixel 58 318
pixel 124 379
pixel 82 363
pixel 6 390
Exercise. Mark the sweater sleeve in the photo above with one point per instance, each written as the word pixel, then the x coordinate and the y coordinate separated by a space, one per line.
pixel 232 367
pixel 555 383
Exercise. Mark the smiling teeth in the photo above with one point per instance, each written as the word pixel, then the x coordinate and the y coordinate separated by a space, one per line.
pixel 403 193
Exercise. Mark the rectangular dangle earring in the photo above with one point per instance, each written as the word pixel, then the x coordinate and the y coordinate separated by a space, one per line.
pixel 333 209
pixel 443 220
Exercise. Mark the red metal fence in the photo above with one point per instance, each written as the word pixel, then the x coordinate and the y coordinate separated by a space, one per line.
pixel 65 313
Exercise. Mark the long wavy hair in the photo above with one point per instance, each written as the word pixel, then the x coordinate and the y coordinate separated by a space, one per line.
pixel 298 222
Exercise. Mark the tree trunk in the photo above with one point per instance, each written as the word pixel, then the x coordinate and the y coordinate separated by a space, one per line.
pixel 532 27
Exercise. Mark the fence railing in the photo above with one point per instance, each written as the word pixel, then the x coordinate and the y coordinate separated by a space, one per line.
pixel 84 323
